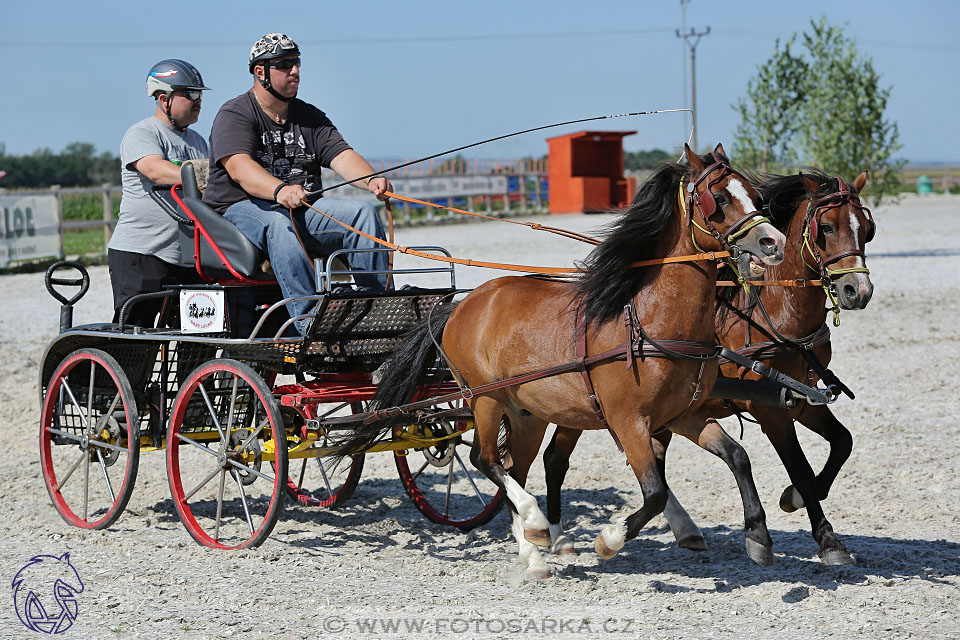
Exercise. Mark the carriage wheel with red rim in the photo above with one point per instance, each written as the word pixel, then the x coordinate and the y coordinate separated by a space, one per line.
pixel 334 485
pixel 443 482
pixel 89 439
pixel 223 423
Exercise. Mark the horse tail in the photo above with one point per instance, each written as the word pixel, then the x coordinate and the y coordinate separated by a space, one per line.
pixel 399 377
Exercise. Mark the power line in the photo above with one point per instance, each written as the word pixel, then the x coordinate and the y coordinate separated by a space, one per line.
pixel 347 41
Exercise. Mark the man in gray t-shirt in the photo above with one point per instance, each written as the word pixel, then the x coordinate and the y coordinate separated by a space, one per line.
pixel 144 252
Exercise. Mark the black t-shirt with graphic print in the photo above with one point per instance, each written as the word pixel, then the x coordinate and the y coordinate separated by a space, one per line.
pixel 293 152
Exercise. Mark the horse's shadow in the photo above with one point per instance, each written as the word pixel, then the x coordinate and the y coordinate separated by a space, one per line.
pixel 880 559
pixel 376 519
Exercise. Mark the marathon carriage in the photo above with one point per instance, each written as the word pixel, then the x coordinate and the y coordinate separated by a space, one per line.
pixel 242 404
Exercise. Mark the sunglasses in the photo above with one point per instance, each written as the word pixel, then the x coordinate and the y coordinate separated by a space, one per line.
pixel 192 94
pixel 284 65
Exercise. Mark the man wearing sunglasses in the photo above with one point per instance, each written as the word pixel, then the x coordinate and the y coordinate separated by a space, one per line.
pixel 144 251
pixel 267 147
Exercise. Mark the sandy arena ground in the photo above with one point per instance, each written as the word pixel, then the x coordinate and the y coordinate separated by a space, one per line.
pixel 377 561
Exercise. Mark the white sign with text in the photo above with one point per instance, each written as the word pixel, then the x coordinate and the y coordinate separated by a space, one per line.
pixel 201 311
pixel 434 187
pixel 29 227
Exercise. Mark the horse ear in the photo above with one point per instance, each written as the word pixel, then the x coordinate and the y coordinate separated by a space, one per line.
pixel 718 152
pixel 693 159
pixel 810 184
pixel 860 182
pixel 65 556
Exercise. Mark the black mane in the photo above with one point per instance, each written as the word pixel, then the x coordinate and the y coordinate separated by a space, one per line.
pixel 607 283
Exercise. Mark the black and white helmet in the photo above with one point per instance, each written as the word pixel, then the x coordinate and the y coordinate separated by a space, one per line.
pixel 170 75
pixel 271 46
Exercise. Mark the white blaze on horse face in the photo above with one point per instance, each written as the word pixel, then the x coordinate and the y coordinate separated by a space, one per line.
pixel 736 189
pixel 855 227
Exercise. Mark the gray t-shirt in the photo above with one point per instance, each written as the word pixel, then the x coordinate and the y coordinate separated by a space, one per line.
pixel 143 226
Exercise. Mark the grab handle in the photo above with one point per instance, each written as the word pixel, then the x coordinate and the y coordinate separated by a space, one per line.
pixel 66 304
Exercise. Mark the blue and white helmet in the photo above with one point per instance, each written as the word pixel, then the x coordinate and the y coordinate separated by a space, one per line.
pixel 271 46
pixel 170 75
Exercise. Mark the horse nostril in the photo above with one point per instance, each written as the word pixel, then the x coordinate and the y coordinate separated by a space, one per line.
pixel 767 242
pixel 850 292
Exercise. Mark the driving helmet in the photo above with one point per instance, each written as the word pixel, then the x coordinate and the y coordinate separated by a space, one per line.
pixel 270 47
pixel 170 75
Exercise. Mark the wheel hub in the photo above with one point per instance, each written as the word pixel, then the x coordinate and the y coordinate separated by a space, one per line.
pixel 441 453
pixel 243 456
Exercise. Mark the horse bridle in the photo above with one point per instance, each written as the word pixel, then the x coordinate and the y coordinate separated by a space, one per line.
pixel 811 230
pixel 707 205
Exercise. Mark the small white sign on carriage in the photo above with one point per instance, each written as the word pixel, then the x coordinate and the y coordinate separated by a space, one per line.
pixel 202 311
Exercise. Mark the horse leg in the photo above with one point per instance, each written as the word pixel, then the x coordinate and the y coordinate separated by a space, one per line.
pixel 526 435
pixel 556 461
pixel 782 434
pixel 529 525
pixel 821 421
pixel 640 456
pixel 711 436
pixel 684 529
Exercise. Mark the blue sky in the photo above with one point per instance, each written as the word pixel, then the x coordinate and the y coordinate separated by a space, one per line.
pixel 406 79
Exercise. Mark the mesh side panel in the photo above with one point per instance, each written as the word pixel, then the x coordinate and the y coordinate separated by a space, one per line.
pixel 367 329
pixel 68 416
pixel 247 411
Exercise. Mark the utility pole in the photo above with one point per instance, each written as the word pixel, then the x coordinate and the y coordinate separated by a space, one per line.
pixel 683 63
pixel 692 38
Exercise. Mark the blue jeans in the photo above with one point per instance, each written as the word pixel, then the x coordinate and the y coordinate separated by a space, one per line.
pixel 271 231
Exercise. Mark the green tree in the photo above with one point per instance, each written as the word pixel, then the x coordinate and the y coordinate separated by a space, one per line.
pixel 844 129
pixel 770 111
pixel 644 160
pixel 76 166
pixel 824 107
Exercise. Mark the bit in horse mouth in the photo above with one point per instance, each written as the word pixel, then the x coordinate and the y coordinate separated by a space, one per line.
pixel 757 268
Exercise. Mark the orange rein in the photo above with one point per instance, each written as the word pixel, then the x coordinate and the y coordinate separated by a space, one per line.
pixel 712 255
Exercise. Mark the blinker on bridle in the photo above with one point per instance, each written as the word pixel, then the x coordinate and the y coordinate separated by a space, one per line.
pixel 707 205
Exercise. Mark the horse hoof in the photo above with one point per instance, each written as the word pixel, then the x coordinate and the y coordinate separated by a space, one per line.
pixel 600 546
pixel 563 546
pixel 536 573
pixel 539 537
pixel 694 543
pixel 836 557
pixel 790 500
pixel 609 541
pixel 759 553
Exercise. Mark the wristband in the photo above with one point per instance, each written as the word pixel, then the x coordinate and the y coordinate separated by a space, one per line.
pixel 276 191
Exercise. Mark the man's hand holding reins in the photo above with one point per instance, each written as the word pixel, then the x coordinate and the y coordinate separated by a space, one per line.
pixel 292 196
pixel 378 186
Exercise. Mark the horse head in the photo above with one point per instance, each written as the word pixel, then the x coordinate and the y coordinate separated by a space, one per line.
pixel 722 213
pixel 837 228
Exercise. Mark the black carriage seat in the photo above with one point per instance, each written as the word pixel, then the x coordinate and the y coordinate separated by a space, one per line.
pixel 220 251
pixel 241 259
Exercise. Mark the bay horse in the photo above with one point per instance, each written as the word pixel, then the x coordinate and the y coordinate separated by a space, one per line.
pixel 824 219
pixel 511 326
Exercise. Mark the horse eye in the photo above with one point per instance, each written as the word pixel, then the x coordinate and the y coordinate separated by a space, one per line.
pixel 721 200
pixel 826 227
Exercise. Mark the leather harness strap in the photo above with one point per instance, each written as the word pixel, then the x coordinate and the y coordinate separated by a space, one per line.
pixel 580 352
